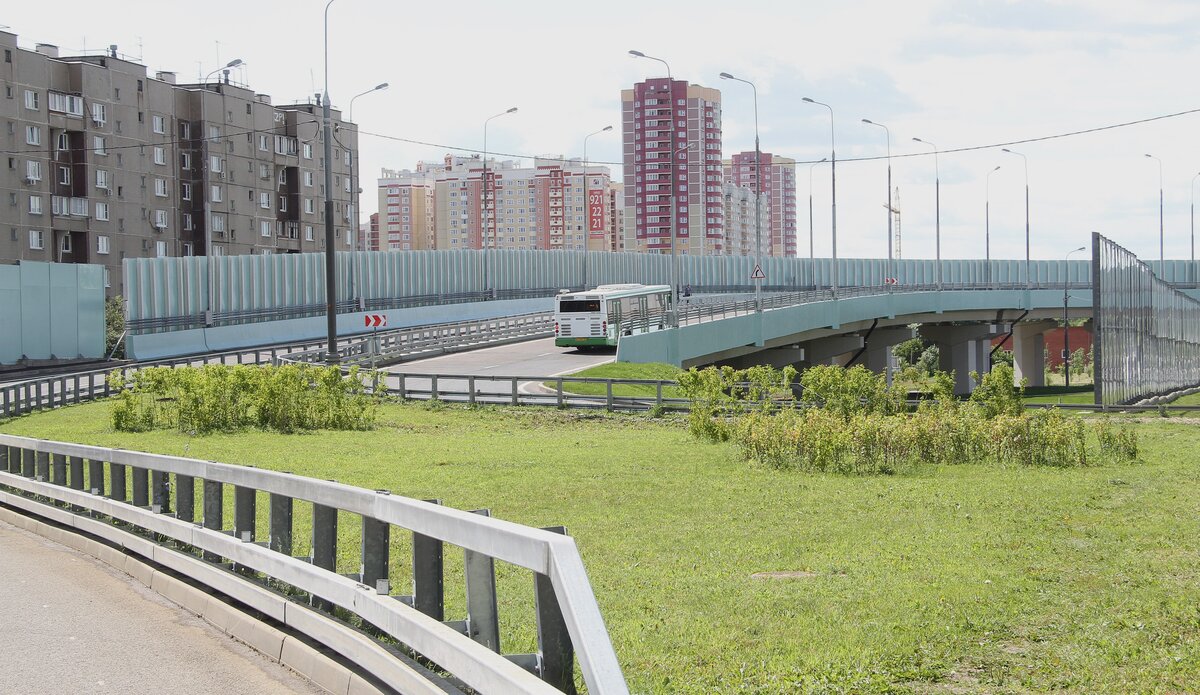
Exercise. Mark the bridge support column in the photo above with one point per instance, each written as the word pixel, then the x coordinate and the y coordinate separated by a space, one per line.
pixel 964 349
pixel 836 349
pixel 1029 351
pixel 776 357
pixel 878 357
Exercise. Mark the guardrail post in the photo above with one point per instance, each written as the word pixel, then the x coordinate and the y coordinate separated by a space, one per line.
pixel 516 399
pixel 4 460
pixel 608 397
pixel 429 575
pixel 401 387
pixel 185 497
pixel 374 567
pixel 324 544
pixel 58 469
pixel 281 524
pixel 28 468
pixel 117 487
pixel 471 389
pixel 160 492
pixel 483 620
pixel 244 513
pixel 433 387
pixel 558 390
pixel 96 476
pixel 214 511
pixel 141 487
pixel 658 395
pixel 41 465
pixel 76 464
pixel 554 642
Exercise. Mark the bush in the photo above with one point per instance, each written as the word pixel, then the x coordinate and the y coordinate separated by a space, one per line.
pixel 849 391
pixel 930 360
pixel 114 326
pixel 996 393
pixel 909 351
pixel 222 398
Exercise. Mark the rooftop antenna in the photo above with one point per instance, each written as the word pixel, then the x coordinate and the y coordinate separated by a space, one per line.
pixel 140 49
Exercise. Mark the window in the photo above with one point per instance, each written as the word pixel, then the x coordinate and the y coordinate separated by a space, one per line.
pixel 63 142
pixel 102 212
pixel 185 191
pixel 308 232
pixel 347 184
pixel 215 164
pixel 308 178
pixel 308 206
pixel 102 244
pixel 187 248
pixel 160 219
pixel 160 188
pixel 35 205
pixel 218 250
pixel 36 238
pixel 264 228
pixel 66 103
pixel 160 248
pixel 64 176
pixel 185 161
pixel 31 103
pixel 187 225
pixel 263 143
pixel 101 178
pixel 33 135
pixel 264 171
pixel 282 177
pixel 185 130
pixel 215 194
pixel 283 203
pixel 99 146
pixel 307 148
pixel 159 124
pixel 160 155
pixel 264 201
pixel 218 223
pixel 99 114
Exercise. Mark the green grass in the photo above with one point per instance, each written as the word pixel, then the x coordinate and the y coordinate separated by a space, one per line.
pixel 962 579
pixel 624 370
pixel 1060 394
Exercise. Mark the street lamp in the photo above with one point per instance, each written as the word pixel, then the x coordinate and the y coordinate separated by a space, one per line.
pixel 331 355
pixel 811 246
pixel 674 318
pixel 758 195
pixel 987 228
pixel 587 218
pixel 484 219
pixel 353 178
pixel 890 211
pixel 1025 161
pixel 1161 257
pixel 1192 267
pixel 208 240
pixel 231 64
pixel 1066 319
pixel 833 185
pixel 937 210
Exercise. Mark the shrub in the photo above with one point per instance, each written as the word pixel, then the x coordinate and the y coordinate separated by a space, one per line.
pixel 930 360
pixel 996 394
pixel 909 351
pixel 849 391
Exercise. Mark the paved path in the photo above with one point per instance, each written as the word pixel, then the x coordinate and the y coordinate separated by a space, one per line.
pixel 71 624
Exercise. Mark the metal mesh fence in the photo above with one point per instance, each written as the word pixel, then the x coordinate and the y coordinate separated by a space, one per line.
pixel 1147 334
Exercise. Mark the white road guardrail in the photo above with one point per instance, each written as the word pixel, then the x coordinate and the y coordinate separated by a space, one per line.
pixel 128 498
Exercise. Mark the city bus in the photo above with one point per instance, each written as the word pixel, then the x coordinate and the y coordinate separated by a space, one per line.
pixel 598 317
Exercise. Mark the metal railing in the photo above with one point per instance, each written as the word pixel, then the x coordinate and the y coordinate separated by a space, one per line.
pixel 148 495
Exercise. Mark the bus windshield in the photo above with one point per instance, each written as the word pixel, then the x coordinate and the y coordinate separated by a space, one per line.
pixel 579 306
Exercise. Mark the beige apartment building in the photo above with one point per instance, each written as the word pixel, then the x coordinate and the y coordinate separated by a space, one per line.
pixel 740 223
pixel 553 205
pixel 779 191
pixel 105 162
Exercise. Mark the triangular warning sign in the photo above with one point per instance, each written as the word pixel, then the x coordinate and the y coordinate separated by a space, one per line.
pixel 758 273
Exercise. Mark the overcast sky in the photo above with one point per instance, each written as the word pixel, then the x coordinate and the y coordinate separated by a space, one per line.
pixel 959 74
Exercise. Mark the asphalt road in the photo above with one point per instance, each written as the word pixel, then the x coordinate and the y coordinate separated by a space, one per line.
pixel 71 624
pixel 529 358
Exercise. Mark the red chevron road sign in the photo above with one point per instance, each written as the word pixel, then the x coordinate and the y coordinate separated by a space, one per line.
pixel 375 320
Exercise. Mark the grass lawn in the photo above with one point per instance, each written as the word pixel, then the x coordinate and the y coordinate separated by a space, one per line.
pixel 962 579
pixel 625 370
pixel 1060 394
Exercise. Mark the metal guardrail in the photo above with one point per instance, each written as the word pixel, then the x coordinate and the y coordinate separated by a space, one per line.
pixel 152 494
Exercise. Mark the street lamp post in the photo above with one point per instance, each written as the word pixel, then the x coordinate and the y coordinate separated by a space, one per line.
pixel 833 186
pixel 353 166
pixel 987 228
pixel 485 224
pixel 1025 161
pixel 937 210
pixel 890 211
pixel 1161 257
pixel 1066 319
pixel 208 240
pixel 758 194
pixel 674 315
pixel 811 247
pixel 587 218
pixel 1192 267
pixel 331 355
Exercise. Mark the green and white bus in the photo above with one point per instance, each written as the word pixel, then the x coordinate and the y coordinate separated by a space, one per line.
pixel 601 316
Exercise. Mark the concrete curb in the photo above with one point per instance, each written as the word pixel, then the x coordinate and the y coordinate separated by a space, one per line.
pixel 263 638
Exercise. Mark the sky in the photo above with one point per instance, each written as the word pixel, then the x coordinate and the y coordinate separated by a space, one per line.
pixel 971 76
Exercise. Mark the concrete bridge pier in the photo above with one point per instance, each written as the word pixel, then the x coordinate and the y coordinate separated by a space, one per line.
pixel 964 349
pixel 778 358
pixel 1029 351
pixel 836 349
pixel 878 357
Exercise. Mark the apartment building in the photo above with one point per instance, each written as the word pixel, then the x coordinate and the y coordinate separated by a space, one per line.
pixel 105 162
pixel 779 192
pixel 741 207
pixel 554 204
pixel 672 147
